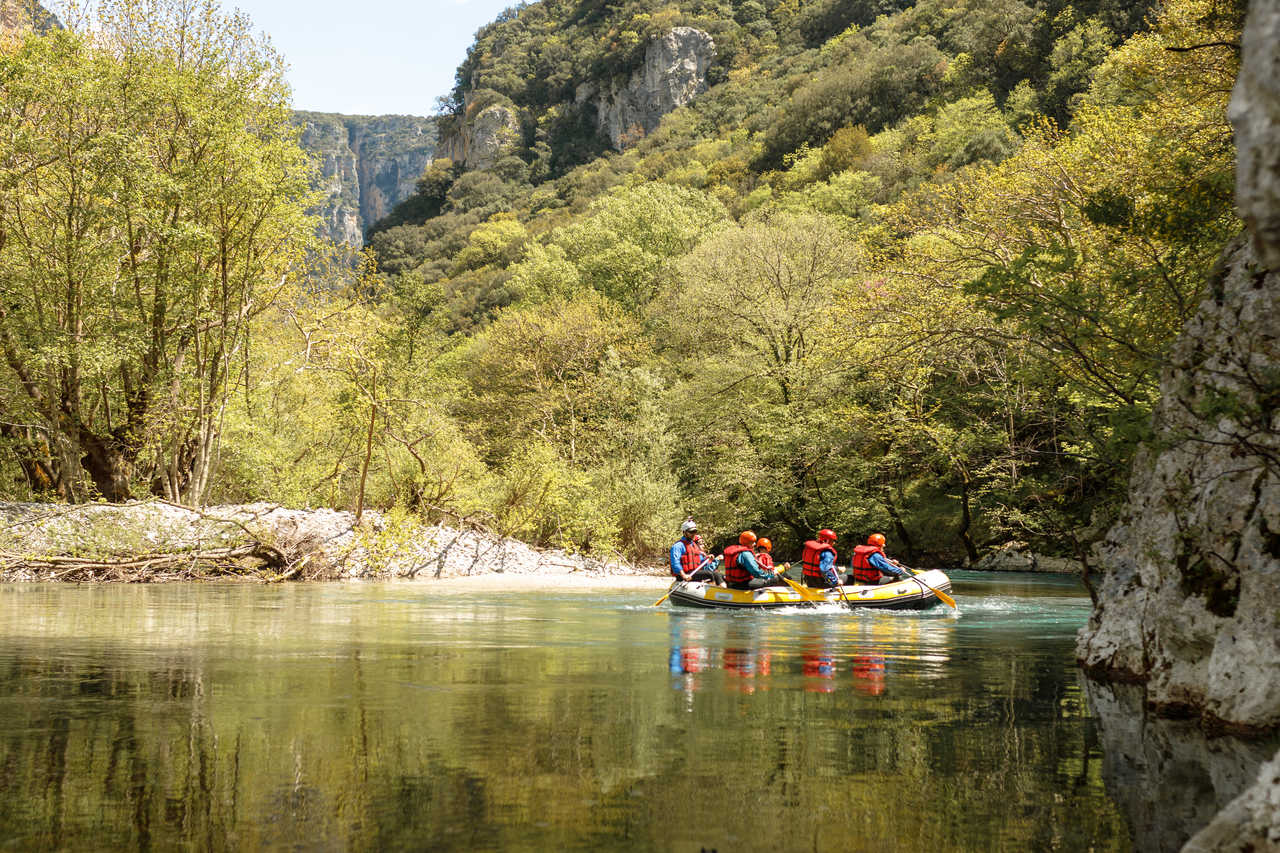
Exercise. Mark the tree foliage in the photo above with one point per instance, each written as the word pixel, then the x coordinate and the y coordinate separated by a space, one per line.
pixel 151 198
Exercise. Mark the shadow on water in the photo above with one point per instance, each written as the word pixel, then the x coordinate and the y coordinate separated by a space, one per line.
pixel 1169 777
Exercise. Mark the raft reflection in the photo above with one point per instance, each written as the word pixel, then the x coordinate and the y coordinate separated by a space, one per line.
pixel 754 655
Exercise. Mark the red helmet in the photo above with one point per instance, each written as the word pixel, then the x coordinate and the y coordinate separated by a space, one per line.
pixel 746 537
pixel 876 539
pixel 826 535
pixel 764 544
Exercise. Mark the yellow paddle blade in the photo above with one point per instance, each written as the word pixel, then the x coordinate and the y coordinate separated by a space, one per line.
pixel 942 596
pixel 804 592
pixel 665 597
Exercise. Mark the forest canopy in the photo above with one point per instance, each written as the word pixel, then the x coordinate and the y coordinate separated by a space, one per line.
pixel 911 267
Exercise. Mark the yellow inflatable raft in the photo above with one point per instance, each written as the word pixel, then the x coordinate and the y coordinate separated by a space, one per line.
pixel 908 594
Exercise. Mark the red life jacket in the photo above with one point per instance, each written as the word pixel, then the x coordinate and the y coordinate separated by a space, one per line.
pixel 765 561
pixel 692 557
pixel 811 559
pixel 734 573
pixel 863 571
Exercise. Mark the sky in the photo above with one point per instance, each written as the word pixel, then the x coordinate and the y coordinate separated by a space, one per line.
pixel 370 57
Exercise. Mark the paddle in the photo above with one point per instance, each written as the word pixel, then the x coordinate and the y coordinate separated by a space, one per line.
pixel 942 596
pixel 804 592
pixel 677 580
pixel 843 597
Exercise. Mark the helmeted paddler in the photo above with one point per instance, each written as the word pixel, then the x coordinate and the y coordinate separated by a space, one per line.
pixel 819 561
pixel 688 561
pixel 871 566
pixel 742 570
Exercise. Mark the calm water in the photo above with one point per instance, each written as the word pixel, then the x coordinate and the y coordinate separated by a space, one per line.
pixel 401 716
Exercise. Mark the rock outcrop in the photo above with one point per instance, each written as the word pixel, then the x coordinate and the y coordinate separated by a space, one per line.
pixel 674 73
pixel 1190 601
pixel 1013 558
pixel 1255 114
pixel 486 132
pixel 368 165
pixel 18 16
pixel 157 541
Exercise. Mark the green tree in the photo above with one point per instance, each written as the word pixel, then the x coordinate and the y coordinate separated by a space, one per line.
pixel 151 204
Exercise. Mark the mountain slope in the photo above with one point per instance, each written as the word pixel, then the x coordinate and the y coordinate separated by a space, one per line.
pixel 20 15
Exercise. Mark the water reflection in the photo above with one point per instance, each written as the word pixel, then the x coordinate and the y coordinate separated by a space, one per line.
pixel 750 654
pixel 395 717
pixel 1169 776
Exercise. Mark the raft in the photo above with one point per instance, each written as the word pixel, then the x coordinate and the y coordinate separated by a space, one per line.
pixel 907 594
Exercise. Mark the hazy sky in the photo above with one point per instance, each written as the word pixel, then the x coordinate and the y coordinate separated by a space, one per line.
pixel 370 57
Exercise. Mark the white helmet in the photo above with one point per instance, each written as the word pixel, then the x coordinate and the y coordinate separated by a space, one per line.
pixel 689 526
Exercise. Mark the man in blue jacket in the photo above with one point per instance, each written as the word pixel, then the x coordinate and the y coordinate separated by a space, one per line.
pixel 688 561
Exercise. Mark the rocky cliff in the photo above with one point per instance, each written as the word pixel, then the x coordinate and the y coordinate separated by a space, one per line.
pixel 486 131
pixel 1190 600
pixel 22 15
pixel 674 73
pixel 368 165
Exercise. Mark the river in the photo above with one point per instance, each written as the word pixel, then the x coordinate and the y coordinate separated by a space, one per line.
pixel 448 717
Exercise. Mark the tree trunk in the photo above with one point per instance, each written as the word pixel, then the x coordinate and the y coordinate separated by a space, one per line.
pixel 108 463
pixel 900 530
pixel 966 520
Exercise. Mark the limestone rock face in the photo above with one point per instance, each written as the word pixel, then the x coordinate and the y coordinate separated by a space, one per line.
pixel 1191 596
pixel 674 73
pixel 18 16
pixel 368 165
pixel 1190 600
pixel 1255 113
pixel 484 137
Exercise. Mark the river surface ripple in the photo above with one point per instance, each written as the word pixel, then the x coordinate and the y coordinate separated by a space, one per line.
pixel 421 716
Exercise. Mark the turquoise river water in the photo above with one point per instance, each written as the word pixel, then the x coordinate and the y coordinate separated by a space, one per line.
pixel 420 716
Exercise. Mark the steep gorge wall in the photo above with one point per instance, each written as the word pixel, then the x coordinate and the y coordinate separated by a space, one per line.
pixel 368 165
pixel 1190 599
pixel 673 73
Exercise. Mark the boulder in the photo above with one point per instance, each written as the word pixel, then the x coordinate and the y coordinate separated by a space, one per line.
pixel 1012 558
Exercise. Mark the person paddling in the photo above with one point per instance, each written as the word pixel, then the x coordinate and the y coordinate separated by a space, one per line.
pixel 688 561
pixel 764 556
pixel 871 566
pixel 742 570
pixel 819 561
